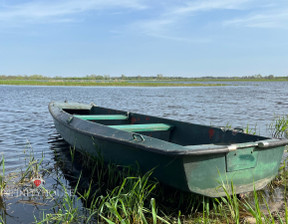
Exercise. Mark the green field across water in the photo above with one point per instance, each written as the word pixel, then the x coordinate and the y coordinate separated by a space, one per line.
pixel 159 80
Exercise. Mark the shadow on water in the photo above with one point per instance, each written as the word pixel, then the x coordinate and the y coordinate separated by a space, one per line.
pixel 69 162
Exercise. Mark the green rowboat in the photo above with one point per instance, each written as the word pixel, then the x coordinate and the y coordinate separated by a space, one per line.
pixel 190 157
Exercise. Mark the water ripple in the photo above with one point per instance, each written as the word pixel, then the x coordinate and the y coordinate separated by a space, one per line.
pixel 26 124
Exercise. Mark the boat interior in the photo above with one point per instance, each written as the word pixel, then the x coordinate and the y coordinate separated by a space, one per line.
pixel 178 132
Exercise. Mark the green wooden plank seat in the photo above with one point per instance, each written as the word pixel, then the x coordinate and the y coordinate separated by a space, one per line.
pixel 143 127
pixel 102 117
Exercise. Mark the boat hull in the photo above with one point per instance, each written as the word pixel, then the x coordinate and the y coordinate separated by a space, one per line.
pixel 247 168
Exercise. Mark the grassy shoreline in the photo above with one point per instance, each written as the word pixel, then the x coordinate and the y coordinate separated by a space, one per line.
pixel 102 83
pixel 106 80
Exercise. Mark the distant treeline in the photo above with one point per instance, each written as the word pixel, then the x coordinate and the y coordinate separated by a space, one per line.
pixel 158 77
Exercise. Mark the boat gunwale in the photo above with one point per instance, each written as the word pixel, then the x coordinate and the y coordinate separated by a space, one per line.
pixel 217 149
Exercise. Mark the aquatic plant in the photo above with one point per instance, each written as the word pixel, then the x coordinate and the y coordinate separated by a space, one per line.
pixel 2 177
pixel 127 202
pixel 279 127
pixel 67 209
pixel 72 151
pixel 232 202
pixel 33 168
pixel 247 129
pixel 250 130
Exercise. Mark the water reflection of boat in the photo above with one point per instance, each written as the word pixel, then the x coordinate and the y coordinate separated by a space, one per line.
pixel 187 156
pixel 63 161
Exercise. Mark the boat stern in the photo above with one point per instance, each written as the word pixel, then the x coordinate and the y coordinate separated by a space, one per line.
pixel 246 166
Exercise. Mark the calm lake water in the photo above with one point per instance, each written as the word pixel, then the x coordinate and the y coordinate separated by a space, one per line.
pixel 25 123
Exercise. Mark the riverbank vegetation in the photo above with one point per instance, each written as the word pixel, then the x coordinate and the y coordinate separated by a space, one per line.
pixel 109 193
pixel 106 80
pixel 99 83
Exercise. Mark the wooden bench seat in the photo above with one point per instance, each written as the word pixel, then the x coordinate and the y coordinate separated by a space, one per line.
pixel 143 127
pixel 102 117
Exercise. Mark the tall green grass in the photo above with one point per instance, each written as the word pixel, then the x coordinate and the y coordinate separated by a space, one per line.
pixel 2 177
pixel 279 127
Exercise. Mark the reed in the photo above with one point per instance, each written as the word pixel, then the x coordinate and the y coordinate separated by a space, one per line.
pixel 33 168
pixel 66 209
pixel 250 130
pixel 127 202
pixel 256 211
pixel 122 193
pixel 72 151
pixel 3 183
pixel 232 202
pixel 279 127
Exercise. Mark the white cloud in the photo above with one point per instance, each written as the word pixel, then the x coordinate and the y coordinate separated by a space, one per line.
pixel 275 19
pixel 42 10
pixel 207 5
pixel 172 15
pixel 161 19
pixel 250 13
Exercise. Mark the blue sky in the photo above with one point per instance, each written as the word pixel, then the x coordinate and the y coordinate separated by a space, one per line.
pixel 190 38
